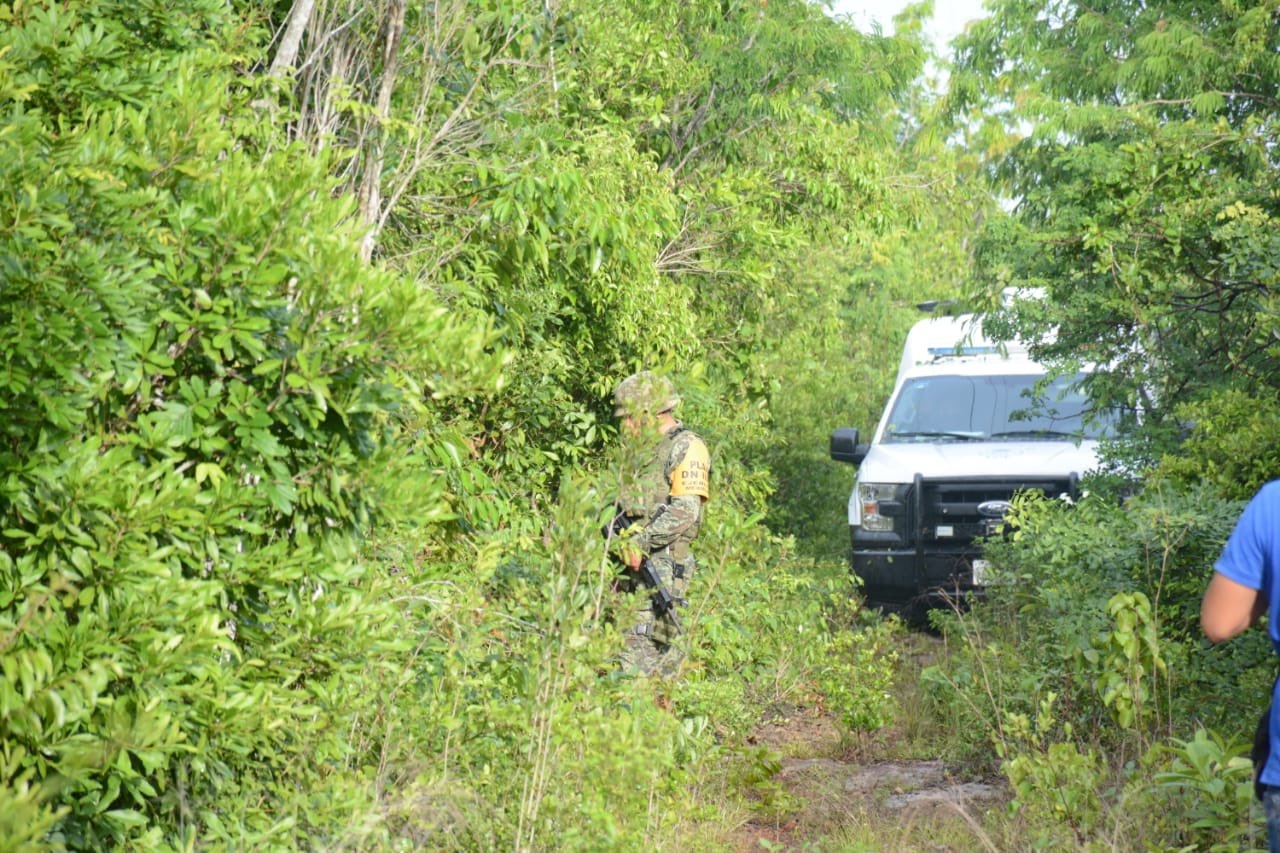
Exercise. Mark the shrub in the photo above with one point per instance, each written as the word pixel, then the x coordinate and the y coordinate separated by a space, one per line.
pixel 206 384
pixel 1084 666
pixel 1230 448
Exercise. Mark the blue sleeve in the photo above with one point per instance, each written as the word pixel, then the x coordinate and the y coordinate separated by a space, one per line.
pixel 1243 558
pixel 1249 557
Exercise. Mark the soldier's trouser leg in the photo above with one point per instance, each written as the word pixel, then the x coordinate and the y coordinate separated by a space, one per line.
pixel 656 645
pixel 640 652
pixel 676 576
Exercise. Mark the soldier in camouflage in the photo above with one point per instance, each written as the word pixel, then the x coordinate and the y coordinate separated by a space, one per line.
pixel 660 508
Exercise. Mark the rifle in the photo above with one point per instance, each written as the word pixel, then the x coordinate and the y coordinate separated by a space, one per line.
pixel 615 527
pixel 664 603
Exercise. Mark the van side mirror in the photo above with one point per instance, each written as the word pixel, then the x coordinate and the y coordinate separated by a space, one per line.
pixel 845 447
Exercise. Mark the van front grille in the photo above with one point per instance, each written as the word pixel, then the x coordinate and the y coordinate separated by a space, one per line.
pixel 959 511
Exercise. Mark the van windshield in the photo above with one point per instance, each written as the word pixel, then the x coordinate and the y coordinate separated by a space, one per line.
pixel 993 408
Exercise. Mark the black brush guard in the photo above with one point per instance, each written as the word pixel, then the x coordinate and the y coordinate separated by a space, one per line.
pixel 942 524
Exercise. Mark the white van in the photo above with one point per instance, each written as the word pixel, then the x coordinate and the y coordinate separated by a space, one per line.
pixel 966 428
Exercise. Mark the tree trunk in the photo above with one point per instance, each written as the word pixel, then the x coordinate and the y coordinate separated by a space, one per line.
pixel 371 188
pixel 291 41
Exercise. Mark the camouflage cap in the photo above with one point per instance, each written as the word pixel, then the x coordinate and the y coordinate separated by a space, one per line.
pixel 645 392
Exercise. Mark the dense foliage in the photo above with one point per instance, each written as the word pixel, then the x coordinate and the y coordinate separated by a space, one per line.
pixel 309 318
pixel 203 386
pixel 309 315
pixel 1136 142
pixel 1144 186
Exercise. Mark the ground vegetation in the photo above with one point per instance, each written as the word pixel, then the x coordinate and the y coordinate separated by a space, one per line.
pixel 309 317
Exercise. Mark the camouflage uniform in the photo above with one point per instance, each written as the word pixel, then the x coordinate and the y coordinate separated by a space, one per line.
pixel 663 505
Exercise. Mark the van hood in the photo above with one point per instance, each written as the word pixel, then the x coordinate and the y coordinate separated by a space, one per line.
pixel 899 463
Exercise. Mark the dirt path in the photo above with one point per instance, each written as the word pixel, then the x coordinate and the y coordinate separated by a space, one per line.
pixel 830 794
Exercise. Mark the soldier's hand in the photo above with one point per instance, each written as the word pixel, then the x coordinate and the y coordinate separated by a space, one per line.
pixel 632 557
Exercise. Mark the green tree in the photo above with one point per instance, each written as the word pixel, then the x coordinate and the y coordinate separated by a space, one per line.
pixel 570 169
pixel 1144 186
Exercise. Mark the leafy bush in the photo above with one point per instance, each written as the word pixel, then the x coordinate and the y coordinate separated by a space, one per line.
pixel 1207 781
pixel 856 678
pixel 1056 785
pixel 1085 664
pixel 206 387
pixel 512 695
pixel 1231 447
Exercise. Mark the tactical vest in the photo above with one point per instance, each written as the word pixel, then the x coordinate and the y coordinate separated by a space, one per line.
pixel 653 484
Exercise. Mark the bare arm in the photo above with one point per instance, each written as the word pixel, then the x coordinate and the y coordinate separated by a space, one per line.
pixel 1229 608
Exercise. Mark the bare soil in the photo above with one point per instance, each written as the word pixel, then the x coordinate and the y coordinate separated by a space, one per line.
pixel 870 794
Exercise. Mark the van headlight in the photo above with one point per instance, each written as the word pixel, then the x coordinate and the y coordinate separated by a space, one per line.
pixel 874 499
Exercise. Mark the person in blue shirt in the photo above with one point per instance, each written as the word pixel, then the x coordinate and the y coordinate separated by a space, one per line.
pixel 1244 586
